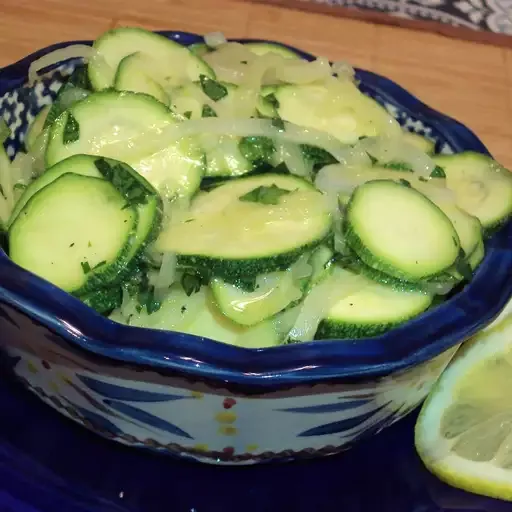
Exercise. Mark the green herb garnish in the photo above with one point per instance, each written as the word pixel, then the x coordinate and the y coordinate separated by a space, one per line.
pixel 100 264
pixel 405 183
pixel 257 149
pixel 397 166
pixel 278 123
pixel 213 89
pixel 191 282
pixel 71 130
pixel 264 195
pixel 124 180
pixel 438 172
pixel 208 111
pixel 188 114
pixel 272 100
pixel 85 266
pixel 373 160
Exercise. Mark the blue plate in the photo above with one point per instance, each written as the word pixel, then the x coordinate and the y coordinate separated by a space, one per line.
pixel 49 464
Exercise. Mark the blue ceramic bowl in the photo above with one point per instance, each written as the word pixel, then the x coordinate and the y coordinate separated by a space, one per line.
pixel 192 397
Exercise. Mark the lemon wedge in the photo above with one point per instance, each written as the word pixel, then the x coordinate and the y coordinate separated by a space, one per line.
pixel 464 431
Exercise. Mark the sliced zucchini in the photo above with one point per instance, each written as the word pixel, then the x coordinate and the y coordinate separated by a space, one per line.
pixel 107 123
pixel 133 74
pixel 78 164
pixel 75 232
pixel 132 184
pixel 468 227
pixel 339 108
pixel 395 229
pixel 264 48
pixel 140 195
pixel 104 301
pixel 173 64
pixel 211 323
pixel 371 311
pixel 482 187
pixel 197 314
pixel 36 128
pixel 426 145
pixel 272 293
pixel 224 156
pixel 249 226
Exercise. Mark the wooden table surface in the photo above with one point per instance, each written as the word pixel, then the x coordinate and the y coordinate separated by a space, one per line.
pixel 469 81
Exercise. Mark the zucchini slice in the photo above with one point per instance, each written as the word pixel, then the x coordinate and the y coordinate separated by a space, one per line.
pixel 272 293
pixel 107 124
pixel 482 187
pixel 133 75
pixel 75 233
pixel 249 226
pixel 78 164
pixel 468 227
pixel 174 63
pixel 371 311
pixel 395 229
pixel 225 157
pixel 339 109
pixel 197 314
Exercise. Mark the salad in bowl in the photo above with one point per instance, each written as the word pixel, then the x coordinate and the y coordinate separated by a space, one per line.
pixel 239 193
pixel 244 194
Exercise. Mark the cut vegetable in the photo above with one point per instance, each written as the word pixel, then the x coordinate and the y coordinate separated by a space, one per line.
pixel 482 187
pixel 109 121
pixel 371 311
pixel 175 63
pixel 75 233
pixel 249 226
pixel 272 293
pixel 395 229
pixel 135 74
pixel 197 314
pixel 339 109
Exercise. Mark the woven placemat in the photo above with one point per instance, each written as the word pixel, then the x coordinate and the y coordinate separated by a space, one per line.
pixel 488 21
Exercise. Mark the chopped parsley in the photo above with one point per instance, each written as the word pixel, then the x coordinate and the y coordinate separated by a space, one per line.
pixel 272 100
pixel 278 123
pixel 124 180
pixel 71 130
pixel 264 195
pixel 208 111
pixel 438 172
pixel 213 89
pixel 85 267
pixel 192 280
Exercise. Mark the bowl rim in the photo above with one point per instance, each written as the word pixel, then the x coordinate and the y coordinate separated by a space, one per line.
pixel 310 362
